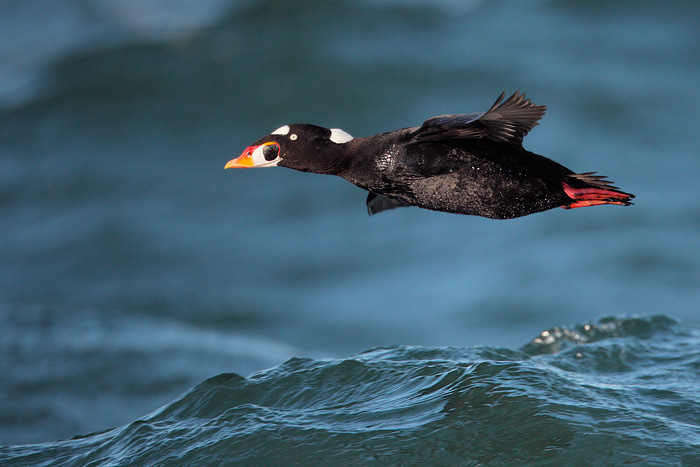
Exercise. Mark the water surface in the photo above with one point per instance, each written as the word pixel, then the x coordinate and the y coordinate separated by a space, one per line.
pixel 134 268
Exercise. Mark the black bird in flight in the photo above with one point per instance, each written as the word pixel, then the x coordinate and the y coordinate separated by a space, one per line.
pixel 462 163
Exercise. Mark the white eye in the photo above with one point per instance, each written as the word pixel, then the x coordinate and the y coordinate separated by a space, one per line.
pixel 266 155
pixel 293 137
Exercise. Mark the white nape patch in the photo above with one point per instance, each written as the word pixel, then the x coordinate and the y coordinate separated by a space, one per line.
pixel 339 136
pixel 283 130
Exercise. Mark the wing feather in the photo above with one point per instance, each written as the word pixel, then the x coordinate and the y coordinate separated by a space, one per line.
pixel 504 122
pixel 378 203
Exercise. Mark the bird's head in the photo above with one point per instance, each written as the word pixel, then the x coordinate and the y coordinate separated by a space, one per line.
pixel 308 148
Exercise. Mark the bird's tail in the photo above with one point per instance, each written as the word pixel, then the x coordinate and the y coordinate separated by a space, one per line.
pixel 592 190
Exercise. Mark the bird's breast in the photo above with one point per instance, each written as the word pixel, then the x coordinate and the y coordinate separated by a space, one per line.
pixel 386 162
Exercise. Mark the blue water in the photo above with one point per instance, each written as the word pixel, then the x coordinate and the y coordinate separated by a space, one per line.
pixel 134 268
pixel 614 393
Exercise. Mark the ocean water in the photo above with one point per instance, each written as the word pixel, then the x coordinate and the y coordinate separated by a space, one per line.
pixel 619 392
pixel 261 317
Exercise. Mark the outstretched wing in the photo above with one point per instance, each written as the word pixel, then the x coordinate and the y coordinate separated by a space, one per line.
pixel 506 122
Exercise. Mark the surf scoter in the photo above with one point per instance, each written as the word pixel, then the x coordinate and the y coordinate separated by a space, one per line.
pixel 464 163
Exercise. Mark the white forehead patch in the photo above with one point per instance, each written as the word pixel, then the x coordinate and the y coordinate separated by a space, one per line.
pixel 339 136
pixel 283 130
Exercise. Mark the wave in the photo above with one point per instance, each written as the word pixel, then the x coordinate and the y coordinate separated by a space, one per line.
pixel 617 391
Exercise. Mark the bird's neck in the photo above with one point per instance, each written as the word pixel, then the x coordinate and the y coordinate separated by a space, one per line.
pixel 334 160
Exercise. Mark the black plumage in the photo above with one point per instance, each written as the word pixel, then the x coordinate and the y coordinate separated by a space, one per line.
pixel 464 163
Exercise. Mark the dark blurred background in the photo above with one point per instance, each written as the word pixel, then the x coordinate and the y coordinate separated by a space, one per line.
pixel 134 267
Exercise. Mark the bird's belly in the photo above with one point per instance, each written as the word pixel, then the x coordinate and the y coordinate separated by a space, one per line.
pixel 497 196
